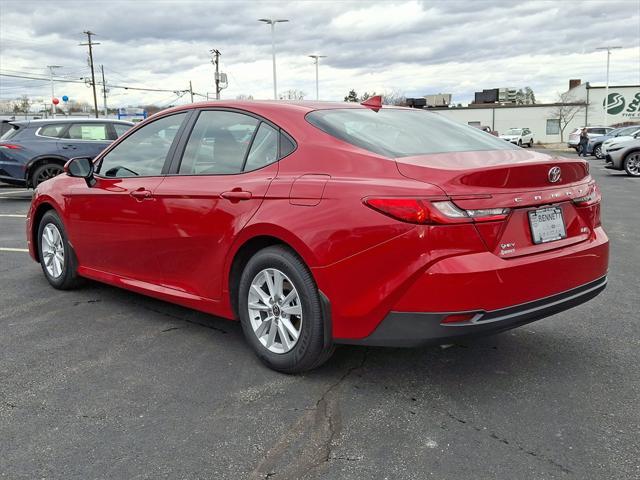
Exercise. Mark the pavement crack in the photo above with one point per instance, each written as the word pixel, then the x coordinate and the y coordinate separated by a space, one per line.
pixel 177 317
pixel 309 441
pixel 170 329
pixel 511 443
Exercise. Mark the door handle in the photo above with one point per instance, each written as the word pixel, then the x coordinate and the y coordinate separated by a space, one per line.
pixel 236 195
pixel 68 147
pixel 141 194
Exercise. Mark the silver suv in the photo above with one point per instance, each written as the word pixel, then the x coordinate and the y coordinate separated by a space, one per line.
pixel 574 137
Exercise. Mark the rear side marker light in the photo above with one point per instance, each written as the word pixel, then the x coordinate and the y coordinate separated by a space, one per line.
pixel 10 146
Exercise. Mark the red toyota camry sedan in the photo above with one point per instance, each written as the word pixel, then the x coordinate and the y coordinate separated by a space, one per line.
pixel 317 224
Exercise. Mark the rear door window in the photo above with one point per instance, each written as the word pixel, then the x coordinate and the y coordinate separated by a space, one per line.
pixel 218 143
pixel 88 131
pixel 54 130
pixel 121 128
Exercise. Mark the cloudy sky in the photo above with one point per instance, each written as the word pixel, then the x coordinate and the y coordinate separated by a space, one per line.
pixel 415 47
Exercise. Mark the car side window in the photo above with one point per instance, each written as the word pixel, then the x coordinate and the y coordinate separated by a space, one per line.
pixel 54 130
pixel 121 128
pixel 88 131
pixel 264 149
pixel 144 152
pixel 218 143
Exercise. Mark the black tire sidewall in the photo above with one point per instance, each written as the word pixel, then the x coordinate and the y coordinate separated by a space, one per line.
pixel 310 344
pixel 68 272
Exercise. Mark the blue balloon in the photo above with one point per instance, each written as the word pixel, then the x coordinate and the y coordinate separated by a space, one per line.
pixel 65 98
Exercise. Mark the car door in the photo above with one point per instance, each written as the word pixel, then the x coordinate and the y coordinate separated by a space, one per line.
pixel 218 180
pixel 111 222
pixel 85 139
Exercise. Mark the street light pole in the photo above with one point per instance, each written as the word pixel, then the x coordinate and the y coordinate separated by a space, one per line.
pixel 51 69
pixel 316 59
pixel 606 88
pixel 272 22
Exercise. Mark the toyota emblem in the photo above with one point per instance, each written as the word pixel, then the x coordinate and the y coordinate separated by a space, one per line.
pixel 554 174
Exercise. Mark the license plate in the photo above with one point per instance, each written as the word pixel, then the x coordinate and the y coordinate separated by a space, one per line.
pixel 547 225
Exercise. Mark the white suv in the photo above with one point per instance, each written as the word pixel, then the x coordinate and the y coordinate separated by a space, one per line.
pixel 519 136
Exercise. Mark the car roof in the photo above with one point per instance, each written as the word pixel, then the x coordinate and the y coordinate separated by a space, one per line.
pixel 273 105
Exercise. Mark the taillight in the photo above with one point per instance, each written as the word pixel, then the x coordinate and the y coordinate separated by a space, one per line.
pixel 10 146
pixel 426 211
pixel 591 204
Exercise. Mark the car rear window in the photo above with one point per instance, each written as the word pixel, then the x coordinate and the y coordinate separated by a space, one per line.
pixel 394 132
pixel 121 128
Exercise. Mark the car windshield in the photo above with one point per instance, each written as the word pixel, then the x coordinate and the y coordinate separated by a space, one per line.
pixel 10 133
pixel 626 131
pixel 394 132
pixel 514 131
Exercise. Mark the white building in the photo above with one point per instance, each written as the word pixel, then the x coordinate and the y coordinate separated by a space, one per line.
pixel 585 101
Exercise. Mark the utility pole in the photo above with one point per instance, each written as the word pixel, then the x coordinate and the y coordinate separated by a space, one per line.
pixel 606 88
pixel 272 22
pixel 191 91
pixel 51 69
pixel 104 93
pixel 316 59
pixel 216 62
pixel 89 33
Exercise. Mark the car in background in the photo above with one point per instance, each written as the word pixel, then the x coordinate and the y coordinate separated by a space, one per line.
pixel 607 144
pixel 624 156
pixel 574 137
pixel 518 136
pixel 334 223
pixel 487 129
pixel 594 147
pixel 33 151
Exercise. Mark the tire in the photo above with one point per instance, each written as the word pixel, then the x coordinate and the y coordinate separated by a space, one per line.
pixel 631 164
pixel 268 327
pixel 520 143
pixel 597 151
pixel 45 172
pixel 61 272
pixel 531 143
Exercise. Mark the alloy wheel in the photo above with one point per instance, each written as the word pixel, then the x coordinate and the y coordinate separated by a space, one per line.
pixel 275 310
pixel 48 172
pixel 632 164
pixel 52 250
pixel 598 151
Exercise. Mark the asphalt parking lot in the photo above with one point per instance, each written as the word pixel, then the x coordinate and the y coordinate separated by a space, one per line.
pixel 103 383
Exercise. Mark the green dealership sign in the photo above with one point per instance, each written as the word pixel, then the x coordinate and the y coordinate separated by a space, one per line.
pixel 618 104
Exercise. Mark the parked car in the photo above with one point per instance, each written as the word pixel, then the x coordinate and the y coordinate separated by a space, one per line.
pixel 624 156
pixel 595 143
pixel 619 140
pixel 334 223
pixel 487 129
pixel 34 151
pixel 518 136
pixel 574 137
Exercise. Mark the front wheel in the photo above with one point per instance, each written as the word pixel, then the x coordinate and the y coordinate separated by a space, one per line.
pixel 632 164
pixel 280 311
pixel 56 256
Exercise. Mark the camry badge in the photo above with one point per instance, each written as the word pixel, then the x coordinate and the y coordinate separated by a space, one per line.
pixel 554 174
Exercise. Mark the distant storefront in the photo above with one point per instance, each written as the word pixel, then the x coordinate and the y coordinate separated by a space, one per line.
pixel 585 100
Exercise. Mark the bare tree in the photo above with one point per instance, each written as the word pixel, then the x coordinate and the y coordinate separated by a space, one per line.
pixel 394 97
pixel 565 111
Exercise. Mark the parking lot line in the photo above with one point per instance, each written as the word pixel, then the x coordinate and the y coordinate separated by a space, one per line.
pixel 12 215
pixel 8 249
pixel 12 191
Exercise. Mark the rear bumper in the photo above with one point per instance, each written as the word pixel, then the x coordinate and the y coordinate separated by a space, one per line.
pixel 411 329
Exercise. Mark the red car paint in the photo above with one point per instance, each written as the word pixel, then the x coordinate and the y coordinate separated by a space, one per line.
pixel 175 237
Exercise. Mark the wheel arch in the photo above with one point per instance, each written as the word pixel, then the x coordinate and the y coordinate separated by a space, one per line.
pixel 43 208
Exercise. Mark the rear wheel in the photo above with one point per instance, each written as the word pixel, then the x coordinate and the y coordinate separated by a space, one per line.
pixel 56 256
pixel 280 311
pixel 520 143
pixel 531 143
pixel 45 172
pixel 597 151
pixel 632 164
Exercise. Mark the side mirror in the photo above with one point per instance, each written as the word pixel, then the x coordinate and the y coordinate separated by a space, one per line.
pixel 81 167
